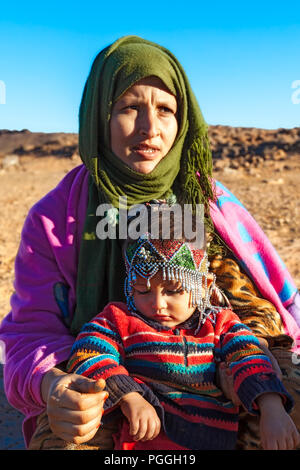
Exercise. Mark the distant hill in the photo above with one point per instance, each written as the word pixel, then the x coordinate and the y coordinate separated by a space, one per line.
pixel 37 143
pixel 233 146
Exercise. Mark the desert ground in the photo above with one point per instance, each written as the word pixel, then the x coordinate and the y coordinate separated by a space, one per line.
pixel 261 167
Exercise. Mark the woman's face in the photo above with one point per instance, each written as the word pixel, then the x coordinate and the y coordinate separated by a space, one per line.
pixel 143 124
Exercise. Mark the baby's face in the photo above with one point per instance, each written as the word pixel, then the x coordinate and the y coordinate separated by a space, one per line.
pixel 165 301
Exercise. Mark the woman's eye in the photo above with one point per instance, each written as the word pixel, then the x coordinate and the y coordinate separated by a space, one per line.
pixel 142 292
pixel 166 110
pixel 131 106
pixel 128 108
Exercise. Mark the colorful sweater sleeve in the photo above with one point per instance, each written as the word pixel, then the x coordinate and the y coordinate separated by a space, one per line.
pixel 252 370
pixel 98 352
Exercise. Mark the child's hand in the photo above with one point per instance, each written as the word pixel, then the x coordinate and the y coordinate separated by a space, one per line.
pixel 144 424
pixel 277 430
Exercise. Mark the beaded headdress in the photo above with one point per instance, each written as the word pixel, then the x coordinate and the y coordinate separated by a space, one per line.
pixel 178 260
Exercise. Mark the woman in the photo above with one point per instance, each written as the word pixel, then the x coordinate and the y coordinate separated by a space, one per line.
pixel 141 135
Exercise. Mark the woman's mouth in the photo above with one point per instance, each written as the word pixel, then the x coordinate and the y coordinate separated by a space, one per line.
pixel 146 151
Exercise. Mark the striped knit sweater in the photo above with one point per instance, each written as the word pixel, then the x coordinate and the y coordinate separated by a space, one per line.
pixel 174 369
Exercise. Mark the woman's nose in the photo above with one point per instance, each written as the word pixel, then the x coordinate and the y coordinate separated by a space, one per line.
pixel 149 124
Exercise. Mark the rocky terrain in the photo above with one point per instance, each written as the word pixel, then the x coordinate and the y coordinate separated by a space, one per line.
pixel 261 167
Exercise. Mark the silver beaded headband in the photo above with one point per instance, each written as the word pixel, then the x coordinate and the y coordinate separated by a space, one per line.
pixel 176 259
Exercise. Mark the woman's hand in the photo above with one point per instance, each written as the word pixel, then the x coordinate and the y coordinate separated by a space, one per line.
pixel 277 430
pixel 74 405
pixel 144 424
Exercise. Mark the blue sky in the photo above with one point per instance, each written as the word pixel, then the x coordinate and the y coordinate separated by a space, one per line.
pixel 241 58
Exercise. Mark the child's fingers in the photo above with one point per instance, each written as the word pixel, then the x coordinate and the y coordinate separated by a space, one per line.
pixel 153 428
pixel 293 437
pixel 270 444
pixel 290 445
pixel 289 442
pixel 263 443
pixel 157 428
pixel 141 432
pixel 133 427
pixel 150 430
pixel 296 439
pixel 283 444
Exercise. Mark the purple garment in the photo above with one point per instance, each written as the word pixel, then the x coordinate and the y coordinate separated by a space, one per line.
pixel 35 337
pixel 294 309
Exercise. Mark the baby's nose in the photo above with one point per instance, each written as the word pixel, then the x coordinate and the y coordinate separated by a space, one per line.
pixel 158 300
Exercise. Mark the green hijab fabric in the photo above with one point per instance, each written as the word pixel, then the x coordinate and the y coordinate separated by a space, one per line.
pixel 101 270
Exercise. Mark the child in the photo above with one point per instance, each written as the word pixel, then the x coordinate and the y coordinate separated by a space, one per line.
pixel 158 356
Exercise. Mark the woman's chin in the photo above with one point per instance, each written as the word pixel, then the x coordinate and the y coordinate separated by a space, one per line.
pixel 145 167
pixel 139 162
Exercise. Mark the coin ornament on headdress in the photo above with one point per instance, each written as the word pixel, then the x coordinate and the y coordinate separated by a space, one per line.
pixel 177 260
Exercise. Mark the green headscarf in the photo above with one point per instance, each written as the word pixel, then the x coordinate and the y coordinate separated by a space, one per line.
pixel 101 270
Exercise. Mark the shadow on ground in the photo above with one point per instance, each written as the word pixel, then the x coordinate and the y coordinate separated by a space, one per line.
pixel 11 437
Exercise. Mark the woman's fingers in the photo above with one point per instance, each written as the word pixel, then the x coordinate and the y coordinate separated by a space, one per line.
pixel 75 406
pixel 65 397
pixel 76 417
pixel 77 433
pixel 83 384
pixel 75 439
pixel 79 425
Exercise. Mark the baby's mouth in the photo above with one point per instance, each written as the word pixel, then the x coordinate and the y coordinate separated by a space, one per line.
pixel 162 316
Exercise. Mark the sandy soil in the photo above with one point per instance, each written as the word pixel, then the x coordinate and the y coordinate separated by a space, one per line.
pixel 269 188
